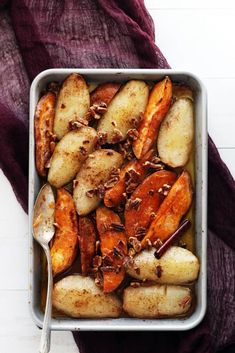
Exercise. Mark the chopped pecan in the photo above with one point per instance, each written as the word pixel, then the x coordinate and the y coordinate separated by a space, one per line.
pixel 101 139
pixel 117 136
pixel 132 134
pixel 118 227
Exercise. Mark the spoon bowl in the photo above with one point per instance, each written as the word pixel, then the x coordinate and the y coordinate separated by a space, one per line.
pixel 43 232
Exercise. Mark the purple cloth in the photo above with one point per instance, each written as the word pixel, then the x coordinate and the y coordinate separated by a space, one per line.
pixel 36 35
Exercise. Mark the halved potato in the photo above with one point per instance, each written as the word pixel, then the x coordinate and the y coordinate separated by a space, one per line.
pixel 124 111
pixel 175 137
pixel 79 297
pixel 69 155
pixel 176 266
pixel 73 103
pixel 157 301
pixel 95 172
pixel 65 241
pixel 182 91
pixel 43 127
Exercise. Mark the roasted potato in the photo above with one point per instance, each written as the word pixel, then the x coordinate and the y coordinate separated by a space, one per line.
pixel 69 155
pixel 94 173
pixel 145 201
pixel 113 247
pixel 43 126
pixel 72 104
pixel 176 266
pixel 87 240
pixel 171 211
pixel 65 241
pixel 79 297
pixel 175 137
pixel 156 301
pixel 104 93
pixel 181 91
pixel 124 111
pixel 115 195
pixel 158 105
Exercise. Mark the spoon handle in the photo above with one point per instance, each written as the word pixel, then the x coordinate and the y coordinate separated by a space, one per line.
pixel 46 329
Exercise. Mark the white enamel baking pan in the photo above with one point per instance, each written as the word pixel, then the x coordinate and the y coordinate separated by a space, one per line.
pixel 120 75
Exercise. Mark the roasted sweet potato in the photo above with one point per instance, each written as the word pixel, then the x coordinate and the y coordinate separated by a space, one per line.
pixel 113 245
pixel 157 107
pixel 124 111
pixel 145 201
pixel 114 196
pixel 87 239
pixel 94 173
pixel 175 136
pixel 43 124
pixel 65 241
pixel 104 93
pixel 171 211
pixel 72 104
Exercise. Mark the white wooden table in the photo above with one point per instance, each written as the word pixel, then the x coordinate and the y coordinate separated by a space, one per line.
pixel 194 35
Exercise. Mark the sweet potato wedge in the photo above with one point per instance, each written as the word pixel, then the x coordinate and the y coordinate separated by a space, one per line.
pixel 112 237
pixel 124 111
pixel 43 125
pixel 65 241
pixel 114 196
pixel 94 173
pixel 145 201
pixel 104 93
pixel 72 104
pixel 87 239
pixel 69 154
pixel 175 136
pixel 157 107
pixel 171 211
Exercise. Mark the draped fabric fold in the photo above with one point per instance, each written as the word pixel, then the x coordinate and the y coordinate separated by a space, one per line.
pixel 36 35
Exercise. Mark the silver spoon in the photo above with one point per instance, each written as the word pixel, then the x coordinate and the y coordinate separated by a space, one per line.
pixel 43 231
